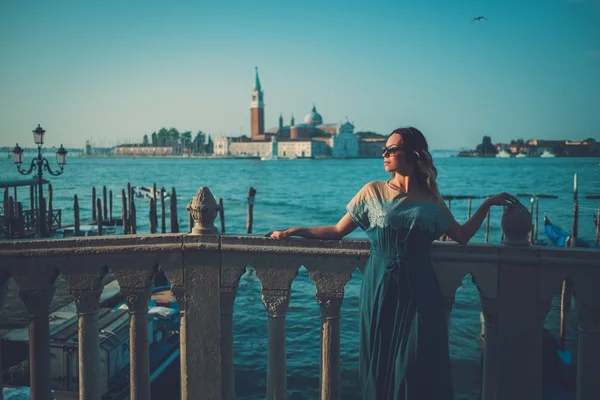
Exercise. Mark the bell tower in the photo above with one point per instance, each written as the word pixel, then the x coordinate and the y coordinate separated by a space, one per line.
pixel 257 111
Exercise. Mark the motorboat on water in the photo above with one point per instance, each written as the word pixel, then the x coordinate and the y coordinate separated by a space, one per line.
pixel 547 154
pixel 503 154
pixel 269 158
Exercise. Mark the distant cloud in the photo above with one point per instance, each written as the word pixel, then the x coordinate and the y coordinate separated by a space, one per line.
pixel 594 54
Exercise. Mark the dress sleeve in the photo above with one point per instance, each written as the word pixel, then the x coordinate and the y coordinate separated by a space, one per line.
pixel 443 221
pixel 358 208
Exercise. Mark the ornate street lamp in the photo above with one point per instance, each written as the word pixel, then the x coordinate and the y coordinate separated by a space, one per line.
pixel 40 163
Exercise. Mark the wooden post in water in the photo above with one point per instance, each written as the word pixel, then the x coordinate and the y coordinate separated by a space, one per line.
pixel 129 199
pixel 124 215
pixel 99 216
pixel 531 222
pixel 575 213
pixel 163 224
pixel 222 214
pixel 501 228
pixel 31 198
pixel 151 215
pixel 469 209
pixel 598 227
pixel 155 203
pixel 9 217
pixel 104 204
pixel 49 215
pixel 20 228
pixel 537 215
pixel 5 201
pixel 174 222
pixel 565 294
pixel 110 208
pixel 133 219
pixel 487 225
pixel 250 220
pixel 93 203
pixel 76 216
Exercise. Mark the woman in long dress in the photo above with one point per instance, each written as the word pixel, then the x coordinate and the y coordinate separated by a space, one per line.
pixel 403 333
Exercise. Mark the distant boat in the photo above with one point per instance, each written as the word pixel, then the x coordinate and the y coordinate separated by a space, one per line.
pixel 145 192
pixel 521 155
pixel 503 154
pixel 547 154
pixel 269 158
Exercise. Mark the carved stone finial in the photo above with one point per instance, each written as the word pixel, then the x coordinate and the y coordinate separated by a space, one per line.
pixel 516 224
pixel 203 208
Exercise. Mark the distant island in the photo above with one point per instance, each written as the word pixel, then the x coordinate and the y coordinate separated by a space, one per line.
pixel 534 148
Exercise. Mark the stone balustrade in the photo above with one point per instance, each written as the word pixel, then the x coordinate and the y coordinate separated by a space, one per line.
pixel 516 284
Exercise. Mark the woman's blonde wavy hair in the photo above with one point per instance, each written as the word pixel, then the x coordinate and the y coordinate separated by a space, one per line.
pixel 418 156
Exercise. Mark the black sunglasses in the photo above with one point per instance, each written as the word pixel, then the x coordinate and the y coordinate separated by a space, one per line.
pixel 393 149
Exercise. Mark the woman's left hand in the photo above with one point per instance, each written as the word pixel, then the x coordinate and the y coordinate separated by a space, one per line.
pixel 502 199
pixel 283 234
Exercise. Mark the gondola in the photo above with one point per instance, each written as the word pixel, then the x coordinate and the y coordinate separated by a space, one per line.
pixel 561 238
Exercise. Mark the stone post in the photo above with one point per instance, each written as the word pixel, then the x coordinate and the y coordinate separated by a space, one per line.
pixel 276 286
pixel 330 294
pixel 86 285
pixel 136 287
pixel 588 351
pixel 36 288
pixel 203 209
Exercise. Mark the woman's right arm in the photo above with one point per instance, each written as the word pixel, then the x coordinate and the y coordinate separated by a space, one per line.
pixel 338 231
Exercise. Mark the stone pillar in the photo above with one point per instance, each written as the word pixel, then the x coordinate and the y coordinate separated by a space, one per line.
pixel 276 285
pixel 36 288
pixel 489 386
pixel 4 278
pixel 330 294
pixel 136 287
pixel 519 327
pixel 86 285
pixel 230 278
pixel 200 333
pixel 588 351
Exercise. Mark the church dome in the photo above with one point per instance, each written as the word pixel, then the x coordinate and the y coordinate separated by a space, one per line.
pixel 313 117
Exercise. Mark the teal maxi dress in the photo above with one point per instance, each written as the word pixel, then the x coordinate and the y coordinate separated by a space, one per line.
pixel 403 335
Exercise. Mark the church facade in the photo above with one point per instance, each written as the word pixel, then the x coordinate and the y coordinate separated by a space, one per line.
pixel 309 139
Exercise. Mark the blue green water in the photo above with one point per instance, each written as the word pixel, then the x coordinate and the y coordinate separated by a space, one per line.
pixel 315 192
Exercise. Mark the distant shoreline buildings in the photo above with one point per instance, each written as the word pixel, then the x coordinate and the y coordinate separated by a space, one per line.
pixel 309 139
pixel 535 148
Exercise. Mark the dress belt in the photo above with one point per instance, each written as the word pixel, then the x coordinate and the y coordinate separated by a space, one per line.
pixel 400 269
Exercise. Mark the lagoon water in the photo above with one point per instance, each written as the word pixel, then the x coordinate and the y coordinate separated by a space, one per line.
pixel 310 192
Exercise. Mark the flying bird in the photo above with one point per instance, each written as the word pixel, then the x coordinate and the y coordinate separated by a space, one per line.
pixel 479 18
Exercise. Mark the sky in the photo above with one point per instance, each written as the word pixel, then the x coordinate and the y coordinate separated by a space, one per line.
pixel 112 71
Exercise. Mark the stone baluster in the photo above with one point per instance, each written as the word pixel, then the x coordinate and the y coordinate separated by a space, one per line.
pixel 330 294
pixel 196 288
pixel 4 278
pixel 276 285
pixel 36 288
pixel 230 278
pixel 86 285
pixel 136 287
pixel 520 313
pixel 489 333
pixel 588 352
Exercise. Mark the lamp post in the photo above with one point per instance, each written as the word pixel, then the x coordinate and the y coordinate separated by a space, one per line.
pixel 39 163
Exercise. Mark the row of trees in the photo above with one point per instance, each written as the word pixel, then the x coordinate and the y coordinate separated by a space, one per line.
pixel 181 142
